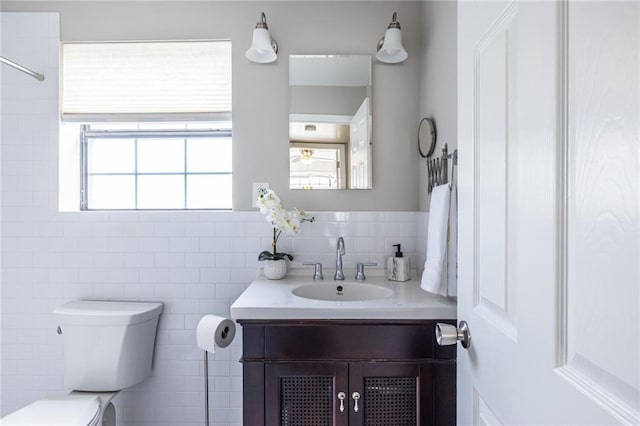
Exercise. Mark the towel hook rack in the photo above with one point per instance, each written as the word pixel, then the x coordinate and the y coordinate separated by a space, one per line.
pixel 437 168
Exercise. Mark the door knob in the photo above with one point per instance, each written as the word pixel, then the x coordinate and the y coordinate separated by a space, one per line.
pixel 447 334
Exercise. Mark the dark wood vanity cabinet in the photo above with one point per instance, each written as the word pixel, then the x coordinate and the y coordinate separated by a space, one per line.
pixel 346 372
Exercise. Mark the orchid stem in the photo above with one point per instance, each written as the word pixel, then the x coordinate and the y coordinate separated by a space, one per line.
pixel 276 235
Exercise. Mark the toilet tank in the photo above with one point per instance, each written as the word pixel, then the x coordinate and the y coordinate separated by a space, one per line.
pixel 108 345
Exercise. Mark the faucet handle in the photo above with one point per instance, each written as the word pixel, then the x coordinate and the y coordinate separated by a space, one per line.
pixel 360 270
pixel 317 273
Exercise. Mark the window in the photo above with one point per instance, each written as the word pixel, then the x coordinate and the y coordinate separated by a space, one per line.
pixel 152 120
pixel 148 167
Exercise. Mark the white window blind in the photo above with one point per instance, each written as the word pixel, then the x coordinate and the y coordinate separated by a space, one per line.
pixel 146 80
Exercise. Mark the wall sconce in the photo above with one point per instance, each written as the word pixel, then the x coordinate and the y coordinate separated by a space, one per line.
pixel 263 48
pixel 390 48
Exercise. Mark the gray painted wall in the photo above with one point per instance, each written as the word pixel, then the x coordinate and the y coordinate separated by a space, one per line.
pixel 438 92
pixel 260 92
pixel 326 99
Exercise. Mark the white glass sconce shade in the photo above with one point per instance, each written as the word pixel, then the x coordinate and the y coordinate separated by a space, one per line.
pixel 390 49
pixel 263 49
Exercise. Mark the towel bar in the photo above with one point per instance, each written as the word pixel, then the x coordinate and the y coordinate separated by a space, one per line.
pixel 437 170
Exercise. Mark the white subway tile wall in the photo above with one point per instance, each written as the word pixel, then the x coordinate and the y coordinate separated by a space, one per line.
pixel 196 263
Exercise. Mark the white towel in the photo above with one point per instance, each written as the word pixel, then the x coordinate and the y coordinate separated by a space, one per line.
pixel 440 274
pixel 452 258
pixel 434 266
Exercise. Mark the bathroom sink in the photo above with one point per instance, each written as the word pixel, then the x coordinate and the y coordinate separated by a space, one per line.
pixel 342 292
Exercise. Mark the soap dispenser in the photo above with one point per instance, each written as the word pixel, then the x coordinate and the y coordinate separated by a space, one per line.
pixel 398 267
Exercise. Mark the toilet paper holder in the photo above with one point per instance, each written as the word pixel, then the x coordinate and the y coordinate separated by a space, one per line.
pixel 212 332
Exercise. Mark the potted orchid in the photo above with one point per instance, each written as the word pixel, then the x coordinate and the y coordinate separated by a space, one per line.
pixel 287 221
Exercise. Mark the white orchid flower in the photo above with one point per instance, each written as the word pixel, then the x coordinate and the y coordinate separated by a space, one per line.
pixel 281 220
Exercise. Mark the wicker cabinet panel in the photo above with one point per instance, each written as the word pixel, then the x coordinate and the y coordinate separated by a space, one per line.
pixel 390 400
pixel 306 401
pixel 392 393
pixel 305 394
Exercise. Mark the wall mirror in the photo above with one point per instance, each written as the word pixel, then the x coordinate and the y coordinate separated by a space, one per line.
pixel 330 122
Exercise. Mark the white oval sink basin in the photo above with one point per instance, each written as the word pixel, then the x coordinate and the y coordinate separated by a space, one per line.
pixel 336 291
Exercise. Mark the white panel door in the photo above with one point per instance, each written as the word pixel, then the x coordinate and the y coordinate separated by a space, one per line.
pixel 549 228
pixel 360 149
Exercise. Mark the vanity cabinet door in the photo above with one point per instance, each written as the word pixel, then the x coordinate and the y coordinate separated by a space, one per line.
pixel 390 393
pixel 295 371
pixel 306 394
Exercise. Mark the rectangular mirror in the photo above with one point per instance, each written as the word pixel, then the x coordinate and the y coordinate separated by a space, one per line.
pixel 330 122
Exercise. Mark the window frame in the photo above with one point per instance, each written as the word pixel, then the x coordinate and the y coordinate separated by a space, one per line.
pixel 87 133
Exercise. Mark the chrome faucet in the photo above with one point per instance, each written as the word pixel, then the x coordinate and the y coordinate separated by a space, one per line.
pixel 339 253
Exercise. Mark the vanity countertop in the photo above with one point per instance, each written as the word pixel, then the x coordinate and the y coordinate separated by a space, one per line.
pixel 272 299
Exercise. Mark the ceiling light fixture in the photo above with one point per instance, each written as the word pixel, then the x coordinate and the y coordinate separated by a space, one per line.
pixel 307 156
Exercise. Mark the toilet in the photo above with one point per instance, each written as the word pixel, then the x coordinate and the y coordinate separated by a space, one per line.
pixel 108 346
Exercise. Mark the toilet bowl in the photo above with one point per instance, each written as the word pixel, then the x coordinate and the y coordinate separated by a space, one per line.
pixel 75 409
pixel 108 346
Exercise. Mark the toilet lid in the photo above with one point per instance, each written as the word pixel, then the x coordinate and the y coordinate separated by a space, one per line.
pixel 71 410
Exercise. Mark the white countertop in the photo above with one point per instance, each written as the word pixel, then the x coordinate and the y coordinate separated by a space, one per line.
pixel 272 299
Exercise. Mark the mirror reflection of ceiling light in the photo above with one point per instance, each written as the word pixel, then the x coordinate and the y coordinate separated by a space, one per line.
pixel 307 156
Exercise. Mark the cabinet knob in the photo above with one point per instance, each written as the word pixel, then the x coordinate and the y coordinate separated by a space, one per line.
pixel 341 397
pixel 356 397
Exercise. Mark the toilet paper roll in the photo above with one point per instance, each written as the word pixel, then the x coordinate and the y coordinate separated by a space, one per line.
pixel 214 332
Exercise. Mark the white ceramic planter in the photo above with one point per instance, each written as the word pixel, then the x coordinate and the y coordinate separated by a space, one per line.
pixel 275 269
